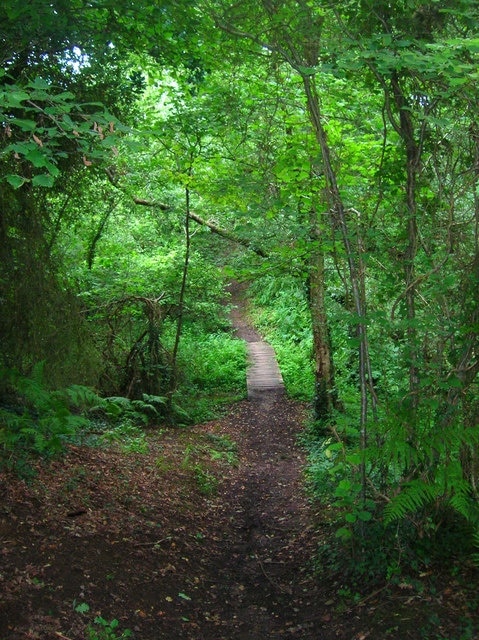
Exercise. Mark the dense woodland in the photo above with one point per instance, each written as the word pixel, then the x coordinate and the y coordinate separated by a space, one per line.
pixel 325 153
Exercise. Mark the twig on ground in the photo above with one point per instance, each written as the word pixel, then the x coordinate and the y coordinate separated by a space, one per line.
pixel 271 581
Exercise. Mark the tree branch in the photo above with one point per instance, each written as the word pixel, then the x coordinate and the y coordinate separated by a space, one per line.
pixel 228 235
pixel 152 203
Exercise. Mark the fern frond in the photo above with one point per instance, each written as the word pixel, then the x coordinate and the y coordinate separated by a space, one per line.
pixel 82 397
pixel 414 496
pixel 119 401
pixel 461 503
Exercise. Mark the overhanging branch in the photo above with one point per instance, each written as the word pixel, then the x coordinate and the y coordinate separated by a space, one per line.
pixel 228 235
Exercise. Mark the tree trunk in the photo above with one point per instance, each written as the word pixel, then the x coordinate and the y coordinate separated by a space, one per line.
pixel 413 155
pixel 325 395
pixel 338 217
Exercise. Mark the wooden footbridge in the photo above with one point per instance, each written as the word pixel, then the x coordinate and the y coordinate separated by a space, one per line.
pixel 263 375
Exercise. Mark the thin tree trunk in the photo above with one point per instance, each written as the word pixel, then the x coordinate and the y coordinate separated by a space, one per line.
pixel 181 302
pixel 413 154
pixel 339 221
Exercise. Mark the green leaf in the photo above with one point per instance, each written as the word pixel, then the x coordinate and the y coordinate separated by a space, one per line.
pixel 43 180
pixel 16 181
pixel 365 516
pixel 16 97
pixel 25 125
pixel 344 533
pixel 184 596
pixel 40 83
pixel 36 157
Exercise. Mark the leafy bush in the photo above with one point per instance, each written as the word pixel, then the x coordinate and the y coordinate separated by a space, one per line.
pixel 427 521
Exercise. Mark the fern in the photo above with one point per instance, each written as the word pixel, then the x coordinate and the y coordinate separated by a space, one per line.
pixel 448 489
pixel 81 397
pixel 144 411
pixel 35 420
pixel 414 496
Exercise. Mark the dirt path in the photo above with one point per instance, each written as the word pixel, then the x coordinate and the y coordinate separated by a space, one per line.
pixel 176 543
pixel 206 536
pixel 262 549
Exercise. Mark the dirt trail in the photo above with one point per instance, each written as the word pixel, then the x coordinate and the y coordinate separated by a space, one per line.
pixel 132 538
pixel 261 583
pixel 190 540
pixel 264 540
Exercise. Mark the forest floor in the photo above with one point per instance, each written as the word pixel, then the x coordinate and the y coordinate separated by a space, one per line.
pixel 206 535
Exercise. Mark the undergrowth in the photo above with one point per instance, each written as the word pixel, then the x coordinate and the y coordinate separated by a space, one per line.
pixel 37 421
pixel 203 450
pixel 368 546
pixel 213 374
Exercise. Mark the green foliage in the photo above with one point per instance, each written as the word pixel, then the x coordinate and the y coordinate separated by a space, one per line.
pixel 219 362
pixel 219 448
pixel 90 281
pixel 81 607
pixel 223 449
pixel 207 482
pixel 425 502
pixel 213 373
pixel 101 629
pixel 148 410
pixel 203 450
pixel 129 437
pixel 36 132
pixel 37 421
pixel 422 520
pixel 106 630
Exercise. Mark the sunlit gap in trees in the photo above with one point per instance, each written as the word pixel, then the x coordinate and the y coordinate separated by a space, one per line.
pixel 75 60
